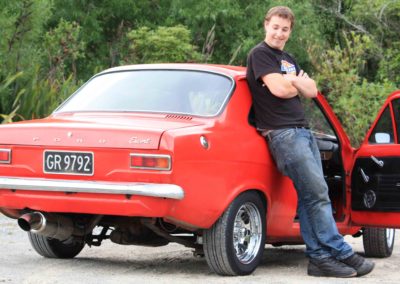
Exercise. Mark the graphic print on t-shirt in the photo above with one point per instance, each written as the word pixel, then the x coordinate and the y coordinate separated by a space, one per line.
pixel 288 68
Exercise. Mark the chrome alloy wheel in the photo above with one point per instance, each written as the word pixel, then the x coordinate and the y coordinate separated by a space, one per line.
pixel 389 237
pixel 247 233
pixel 234 245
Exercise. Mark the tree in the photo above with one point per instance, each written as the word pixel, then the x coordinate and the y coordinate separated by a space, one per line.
pixel 54 45
pixel 379 20
pixel 64 47
pixel 164 44
pixel 355 100
pixel 21 25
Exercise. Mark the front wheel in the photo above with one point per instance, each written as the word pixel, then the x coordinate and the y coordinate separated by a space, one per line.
pixel 378 242
pixel 53 248
pixel 235 243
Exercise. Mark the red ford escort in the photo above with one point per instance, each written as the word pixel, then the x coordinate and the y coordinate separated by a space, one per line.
pixel 152 154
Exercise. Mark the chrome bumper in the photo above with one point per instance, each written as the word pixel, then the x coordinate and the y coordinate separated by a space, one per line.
pixel 132 188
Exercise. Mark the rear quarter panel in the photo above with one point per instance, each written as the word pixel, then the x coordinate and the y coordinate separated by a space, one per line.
pixel 237 160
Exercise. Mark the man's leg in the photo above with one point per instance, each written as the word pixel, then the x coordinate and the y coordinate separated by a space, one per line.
pixel 294 155
pixel 307 175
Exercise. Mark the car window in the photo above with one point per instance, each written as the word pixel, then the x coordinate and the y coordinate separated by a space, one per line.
pixel 383 130
pixel 317 121
pixel 166 91
pixel 396 111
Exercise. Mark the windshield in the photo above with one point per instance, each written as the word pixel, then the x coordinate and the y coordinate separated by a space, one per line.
pixel 165 91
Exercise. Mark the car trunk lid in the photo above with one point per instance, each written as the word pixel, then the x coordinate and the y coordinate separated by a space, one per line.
pixel 104 131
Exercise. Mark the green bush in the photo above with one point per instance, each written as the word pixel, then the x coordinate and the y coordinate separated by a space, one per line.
pixel 164 44
pixel 355 100
pixel 36 99
pixel 8 100
pixel 42 96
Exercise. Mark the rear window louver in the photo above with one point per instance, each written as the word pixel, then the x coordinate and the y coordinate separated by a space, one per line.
pixel 177 116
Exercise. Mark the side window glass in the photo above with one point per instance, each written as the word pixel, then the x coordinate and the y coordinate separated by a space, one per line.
pixel 396 110
pixel 383 131
pixel 318 123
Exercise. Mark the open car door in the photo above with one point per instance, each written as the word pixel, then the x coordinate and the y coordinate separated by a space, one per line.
pixel 375 177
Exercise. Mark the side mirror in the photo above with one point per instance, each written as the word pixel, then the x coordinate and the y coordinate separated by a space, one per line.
pixel 382 138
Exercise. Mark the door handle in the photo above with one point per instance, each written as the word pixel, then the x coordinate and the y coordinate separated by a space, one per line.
pixel 364 176
pixel 380 163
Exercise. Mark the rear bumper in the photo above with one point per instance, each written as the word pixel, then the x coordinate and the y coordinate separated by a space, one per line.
pixel 134 188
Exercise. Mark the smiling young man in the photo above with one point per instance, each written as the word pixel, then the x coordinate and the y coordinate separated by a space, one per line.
pixel 276 83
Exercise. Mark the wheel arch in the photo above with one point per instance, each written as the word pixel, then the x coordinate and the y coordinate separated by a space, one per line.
pixel 261 193
pixel 263 198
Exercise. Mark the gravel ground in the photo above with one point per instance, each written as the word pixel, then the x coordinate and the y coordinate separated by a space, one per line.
pixel 173 263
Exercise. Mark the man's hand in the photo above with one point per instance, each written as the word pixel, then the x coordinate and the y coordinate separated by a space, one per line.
pixel 287 86
pixel 303 83
pixel 279 86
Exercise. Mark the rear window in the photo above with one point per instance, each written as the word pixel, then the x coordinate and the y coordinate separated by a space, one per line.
pixel 166 91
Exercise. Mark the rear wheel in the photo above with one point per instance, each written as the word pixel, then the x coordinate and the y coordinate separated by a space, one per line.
pixel 378 242
pixel 53 248
pixel 235 243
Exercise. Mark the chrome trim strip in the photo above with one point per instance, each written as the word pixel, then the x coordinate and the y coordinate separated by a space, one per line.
pixel 133 188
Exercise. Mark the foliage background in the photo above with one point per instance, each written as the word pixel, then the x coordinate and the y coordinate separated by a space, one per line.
pixel 49 47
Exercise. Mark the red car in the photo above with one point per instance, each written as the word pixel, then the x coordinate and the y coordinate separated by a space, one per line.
pixel 152 154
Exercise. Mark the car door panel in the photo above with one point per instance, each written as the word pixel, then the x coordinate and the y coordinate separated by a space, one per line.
pixel 375 176
pixel 376 184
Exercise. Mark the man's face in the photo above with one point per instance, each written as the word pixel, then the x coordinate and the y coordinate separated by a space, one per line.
pixel 277 31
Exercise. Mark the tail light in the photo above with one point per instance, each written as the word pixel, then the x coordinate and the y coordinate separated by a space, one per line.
pixel 151 162
pixel 5 156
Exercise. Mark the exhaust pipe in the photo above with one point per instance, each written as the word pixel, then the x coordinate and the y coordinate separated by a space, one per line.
pixel 11 213
pixel 48 225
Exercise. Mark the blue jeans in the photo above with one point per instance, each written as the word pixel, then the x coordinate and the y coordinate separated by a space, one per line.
pixel 297 156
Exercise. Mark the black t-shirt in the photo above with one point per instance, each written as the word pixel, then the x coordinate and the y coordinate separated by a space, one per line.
pixel 272 112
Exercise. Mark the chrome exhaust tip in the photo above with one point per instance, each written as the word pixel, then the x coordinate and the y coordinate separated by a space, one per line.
pixel 32 221
pixel 49 225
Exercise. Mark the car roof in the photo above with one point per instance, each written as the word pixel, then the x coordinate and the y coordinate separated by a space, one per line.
pixel 229 70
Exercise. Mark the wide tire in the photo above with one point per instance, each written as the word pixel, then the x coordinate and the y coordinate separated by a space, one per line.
pixel 378 242
pixel 53 248
pixel 235 243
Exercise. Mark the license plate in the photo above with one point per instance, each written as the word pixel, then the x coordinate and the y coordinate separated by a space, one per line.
pixel 75 163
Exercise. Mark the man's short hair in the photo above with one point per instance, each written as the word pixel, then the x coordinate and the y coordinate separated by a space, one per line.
pixel 280 11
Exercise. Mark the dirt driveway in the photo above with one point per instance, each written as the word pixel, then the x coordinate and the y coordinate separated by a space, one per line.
pixel 174 263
